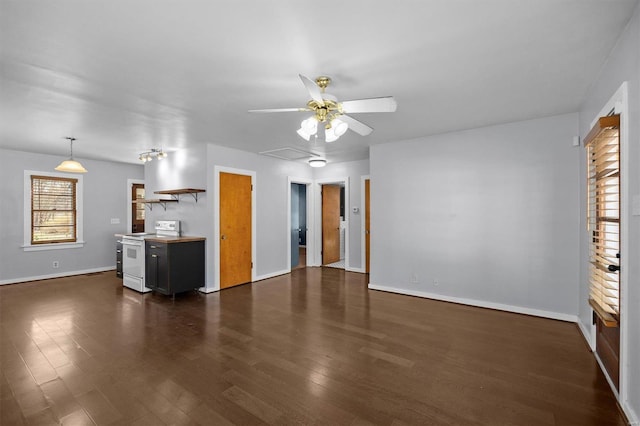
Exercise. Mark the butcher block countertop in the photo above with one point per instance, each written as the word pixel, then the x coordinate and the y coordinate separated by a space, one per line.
pixel 169 239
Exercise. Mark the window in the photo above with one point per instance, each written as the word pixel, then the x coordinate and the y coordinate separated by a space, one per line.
pixel 603 217
pixel 52 211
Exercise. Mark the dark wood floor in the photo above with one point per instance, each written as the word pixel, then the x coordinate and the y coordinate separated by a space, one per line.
pixel 313 347
pixel 302 258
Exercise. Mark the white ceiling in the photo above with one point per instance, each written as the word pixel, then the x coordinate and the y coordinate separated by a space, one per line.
pixel 126 76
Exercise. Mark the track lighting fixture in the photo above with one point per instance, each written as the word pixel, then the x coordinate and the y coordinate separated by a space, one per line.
pixel 154 152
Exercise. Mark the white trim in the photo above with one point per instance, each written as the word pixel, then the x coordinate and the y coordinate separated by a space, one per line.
pixel 634 419
pixel 606 375
pixel 619 102
pixel 273 274
pixel 479 303
pixel 363 213
pixel 130 183
pixel 588 336
pixel 53 246
pixel 27 246
pixel 358 270
pixel 317 259
pixel 207 290
pixel 58 275
pixel 310 218
pixel 216 223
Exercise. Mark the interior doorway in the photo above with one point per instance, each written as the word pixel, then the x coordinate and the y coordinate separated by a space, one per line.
pixel 334 227
pixel 137 209
pixel 367 224
pixel 299 226
pixel 134 209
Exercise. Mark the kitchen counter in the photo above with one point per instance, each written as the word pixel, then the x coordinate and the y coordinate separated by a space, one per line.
pixel 169 239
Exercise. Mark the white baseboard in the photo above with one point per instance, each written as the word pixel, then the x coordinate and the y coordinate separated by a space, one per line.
pixel 587 335
pixel 359 270
pixel 634 419
pixel 58 275
pixel 257 278
pixel 606 376
pixel 272 274
pixel 479 303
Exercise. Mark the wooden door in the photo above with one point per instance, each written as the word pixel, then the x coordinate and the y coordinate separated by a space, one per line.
pixel 235 229
pixel 330 224
pixel 367 222
pixel 137 209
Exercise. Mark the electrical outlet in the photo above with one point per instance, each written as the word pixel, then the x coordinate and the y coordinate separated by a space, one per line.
pixel 115 220
pixel 414 278
pixel 436 282
pixel 56 264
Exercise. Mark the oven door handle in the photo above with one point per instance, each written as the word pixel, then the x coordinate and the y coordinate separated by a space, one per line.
pixel 132 243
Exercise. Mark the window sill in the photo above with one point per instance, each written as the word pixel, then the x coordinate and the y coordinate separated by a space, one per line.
pixel 52 246
pixel 607 319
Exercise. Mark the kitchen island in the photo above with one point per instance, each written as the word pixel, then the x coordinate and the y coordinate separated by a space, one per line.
pixel 174 264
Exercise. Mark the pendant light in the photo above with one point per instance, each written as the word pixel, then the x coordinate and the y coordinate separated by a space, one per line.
pixel 71 165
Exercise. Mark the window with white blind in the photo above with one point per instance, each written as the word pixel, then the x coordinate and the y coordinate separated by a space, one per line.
pixel 603 217
pixel 53 211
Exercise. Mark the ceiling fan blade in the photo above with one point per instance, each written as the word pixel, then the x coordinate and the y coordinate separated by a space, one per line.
pixel 280 110
pixel 384 104
pixel 313 89
pixel 357 126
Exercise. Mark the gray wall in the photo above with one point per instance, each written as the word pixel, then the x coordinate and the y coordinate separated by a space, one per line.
pixel 271 189
pixel 623 65
pixel 186 168
pixel 105 197
pixel 489 214
pixel 194 167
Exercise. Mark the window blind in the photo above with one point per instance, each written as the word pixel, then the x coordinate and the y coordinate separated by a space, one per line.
pixel 603 217
pixel 53 209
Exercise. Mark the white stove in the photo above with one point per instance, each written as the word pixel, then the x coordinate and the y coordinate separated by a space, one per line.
pixel 133 253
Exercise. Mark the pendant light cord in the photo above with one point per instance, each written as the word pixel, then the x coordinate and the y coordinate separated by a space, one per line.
pixel 71 142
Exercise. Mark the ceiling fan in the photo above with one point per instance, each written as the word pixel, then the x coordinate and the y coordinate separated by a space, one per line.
pixel 333 114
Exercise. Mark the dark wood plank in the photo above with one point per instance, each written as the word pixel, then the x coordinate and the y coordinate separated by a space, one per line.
pixel 315 346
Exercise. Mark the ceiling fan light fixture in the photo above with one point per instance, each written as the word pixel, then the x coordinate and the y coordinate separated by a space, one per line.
pixel 330 135
pixel 310 125
pixel 317 162
pixel 339 127
pixel 303 134
pixel 71 165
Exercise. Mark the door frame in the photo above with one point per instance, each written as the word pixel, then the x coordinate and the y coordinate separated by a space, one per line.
pixel 216 220
pixel 130 183
pixel 620 104
pixel 363 212
pixel 317 241
pixel 310 219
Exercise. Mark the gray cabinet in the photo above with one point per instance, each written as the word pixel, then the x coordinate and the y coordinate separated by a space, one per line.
pixel 119 258
pixel 174 267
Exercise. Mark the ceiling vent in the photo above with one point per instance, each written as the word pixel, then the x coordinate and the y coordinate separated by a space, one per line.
pixel 291 154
